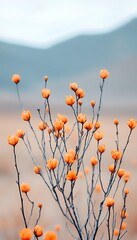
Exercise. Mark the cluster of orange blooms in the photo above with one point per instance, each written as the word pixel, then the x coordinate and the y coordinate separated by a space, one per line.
pixel 70 157
pixel 27 233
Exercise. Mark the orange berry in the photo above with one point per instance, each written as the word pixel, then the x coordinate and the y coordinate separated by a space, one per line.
pixel 116 155
pixel 72 175
pixel 121 172
pixel 111 168
pixel 25 234
pixel 80 102
pixel 50 235
pixel 126 176
pixel 132 123
pixel 126 191
pixel 81 118
pixel 20 133
pixel 25 187
pixel 42 126
pixel 116 122
pixel 97 125
pixel 26 115
pixel 109 202
pixel 13 140
pixel 116 232
pixel 52 163
pixel 93 161
pixel 16 78
pixel 70 100
pixel 80 93
pixel 45 93
pixel 40 205
pixel 74 86
pixel 38 231
pixel 93 103
pixel 101 148
pixel 104 73
pixel 124 214
pixel 37 169
pixel 98 135
pixel 88 125
pixel 123 226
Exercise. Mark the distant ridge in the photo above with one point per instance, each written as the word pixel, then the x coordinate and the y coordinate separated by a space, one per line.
pixel 77 59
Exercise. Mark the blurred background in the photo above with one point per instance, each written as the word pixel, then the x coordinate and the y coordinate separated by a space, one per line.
pixel 70 41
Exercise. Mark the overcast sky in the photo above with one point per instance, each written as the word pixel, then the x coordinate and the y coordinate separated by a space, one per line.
pixel 46 22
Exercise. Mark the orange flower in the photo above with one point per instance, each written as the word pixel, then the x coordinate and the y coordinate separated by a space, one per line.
pixel 40 205
pixel 46 78
pixel 126 191
pixel 98 188
pixel 58 125
pixel 126 176
pixel 80 102
pixel 72 175
pixel 93 103
pixel 63 118
pixel 74 86
pixel 116 155
pixel 25 187
pixel 88 125
pixel 70 157
pixel 97 125
pixel 25 234
pixel 37 169
pixel 123 226
pixel 45 93
pixel 42 126
pixel 16 78
pixel 116 232
pixel 116 122
pixel 104 73
pixel 13 140
pixel 26 115
pixel 80 93
pixel 124 214
pixel 121 172
pixel 101 148
pixel 20 133
pixel 132 123
pixel 50 235
pixel 109 202
pixel 70 100
pixel 57 227
pixel 93 161
pixel 52 163
pixel 38 231
pixel 98 135
pixel 81 118
pixel 87 170
pixel 111 168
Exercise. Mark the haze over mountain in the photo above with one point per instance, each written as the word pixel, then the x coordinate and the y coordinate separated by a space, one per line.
pixel 76 60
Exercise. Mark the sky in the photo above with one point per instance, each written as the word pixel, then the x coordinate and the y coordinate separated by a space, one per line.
pixel 43 23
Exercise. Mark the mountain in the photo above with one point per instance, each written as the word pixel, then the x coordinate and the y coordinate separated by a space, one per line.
pixel 78 59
